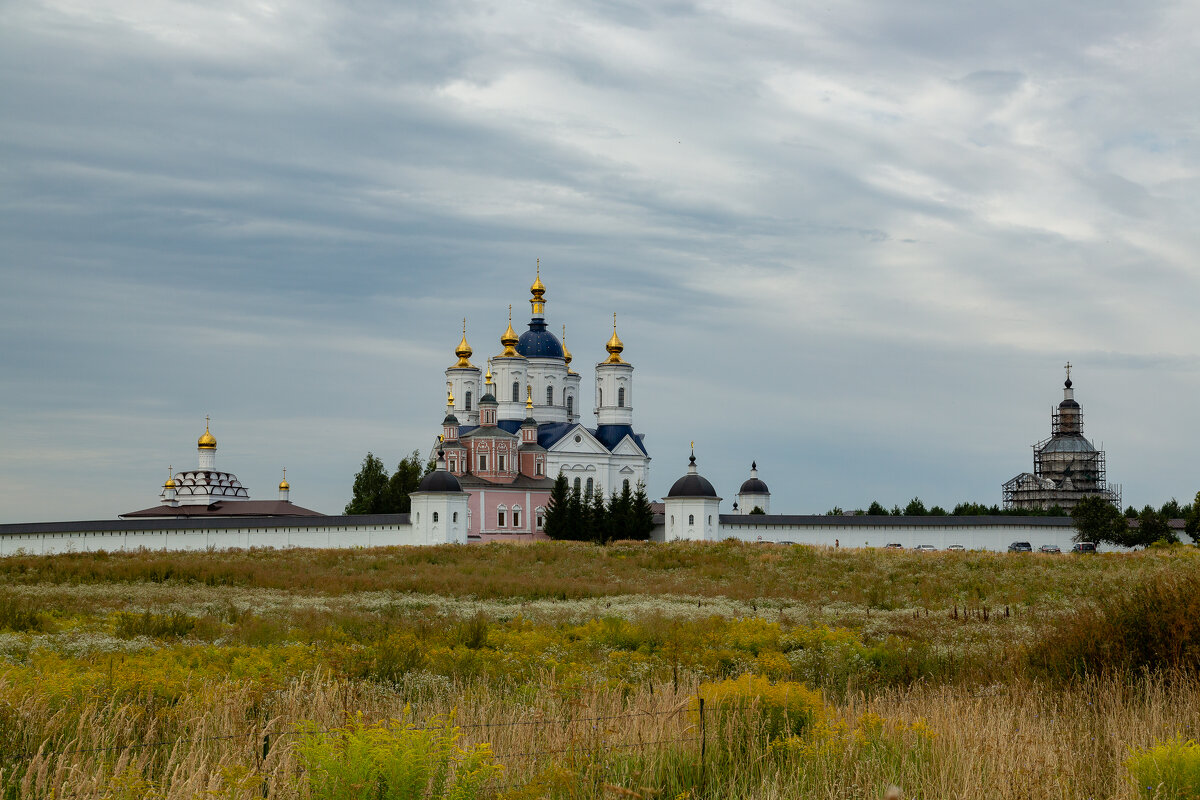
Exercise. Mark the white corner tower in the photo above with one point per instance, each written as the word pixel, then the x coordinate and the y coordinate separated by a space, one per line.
pixel 439 508
pixel 614 385
pixel 754 494
pixel 692 508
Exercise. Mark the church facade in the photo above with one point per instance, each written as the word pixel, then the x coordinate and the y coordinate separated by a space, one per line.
pixel 511 429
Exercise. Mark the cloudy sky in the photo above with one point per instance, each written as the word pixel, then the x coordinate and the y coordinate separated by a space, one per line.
pixel 855 241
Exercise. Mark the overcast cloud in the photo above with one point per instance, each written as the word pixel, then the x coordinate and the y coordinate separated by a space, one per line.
pixel 854 241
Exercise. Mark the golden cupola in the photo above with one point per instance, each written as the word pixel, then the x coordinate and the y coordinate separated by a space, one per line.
pixel 207 441
pixel 509 340
pixel 283 484
pixel 538 290
pixel 566 352
pixel 614 346
pixel 464 351
pixel 170 484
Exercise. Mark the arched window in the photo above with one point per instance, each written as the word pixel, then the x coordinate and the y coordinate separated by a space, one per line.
pixel 500 462
pixel 549 395
pixel 589 486
pixel 538 468
pixel 501 515
pixel 468 405
pixel 483 462
pixel 691 519
pixel 576 485
pixel 540 516
pixel 625 484
pixel 435 516
pixel 418 516
pixel 516 516
pixel 570 405
pixel 455 517
pixel 621 397
pixel 599 396
pixel 516 391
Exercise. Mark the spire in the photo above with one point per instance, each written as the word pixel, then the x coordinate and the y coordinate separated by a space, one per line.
pixel 509 339
pixel 566 352
pixel 1068 381
pixel 463 351
pixel 614 346
pixel 529 399
pixel 692 461
pixel 170 484
pixel 538 290
pixel 753 469
pixel 487 379
pixel 283 484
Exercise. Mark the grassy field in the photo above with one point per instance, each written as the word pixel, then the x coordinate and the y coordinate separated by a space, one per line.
pixel 567 670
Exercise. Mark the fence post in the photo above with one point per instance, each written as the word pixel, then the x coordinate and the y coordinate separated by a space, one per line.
pixel 266 750
pixel 703 748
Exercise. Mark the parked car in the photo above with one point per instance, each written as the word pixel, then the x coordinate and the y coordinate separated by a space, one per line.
pixel 1084 547
pixel 894 546
pixel 1020 547
pixel 926 548
pixel 1049 548
pixel 958 548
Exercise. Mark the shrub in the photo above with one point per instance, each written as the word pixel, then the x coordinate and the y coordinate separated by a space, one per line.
pixel 1167 771
pixel 1155 626
pixel 16 614
pixel 752 706
pixel 393 760
pixel 157 626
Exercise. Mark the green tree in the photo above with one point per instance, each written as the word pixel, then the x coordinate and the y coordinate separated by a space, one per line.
pixel 576 517
pixel 915 508
pixel 642 515
pixel 622 521
pixel 370 488
pixel 757 510
pixel 1098 520
pixel 877 509
pixel 836 511
pixel 1193 520
pixel 404 480
pixel 1171 509
pixel 1152 527
pixel 937 511
pixel 598 529
pixel 558 509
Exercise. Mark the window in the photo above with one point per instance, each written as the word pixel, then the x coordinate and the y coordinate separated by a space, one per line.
pixel 710 519
pixel 500 463
pixel 468 405
pixel 418 518
pixel 500 518
pixel 621 397
pixel 549 395
pixel 599 396
pixel 516 518
pixel 541 518
pixel 454 466
pixel 516 391
pixel 570 405
pixel 691 519
pixel 625 484
pixel 538 468
pixel 576 485
pixel 482 463
pixel 455 517
pixel 435 516
pixel 589 486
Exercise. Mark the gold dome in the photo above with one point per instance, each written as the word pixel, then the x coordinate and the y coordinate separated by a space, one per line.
pixel 463 351
pixel 450 399
pixel 538 290
pixel 283 484
pixel 207 441
pixel 509 339
pixel 614 346
pixel 529 399
pixel 566 353
pixel 170 484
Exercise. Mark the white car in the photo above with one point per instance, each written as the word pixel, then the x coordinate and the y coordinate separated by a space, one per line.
pixel 958 548
pixel 926 548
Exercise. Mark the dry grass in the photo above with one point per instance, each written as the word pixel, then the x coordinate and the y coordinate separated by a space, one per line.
pixel 156 675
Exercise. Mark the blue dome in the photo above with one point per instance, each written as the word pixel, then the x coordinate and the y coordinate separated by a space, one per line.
pixel 537 342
